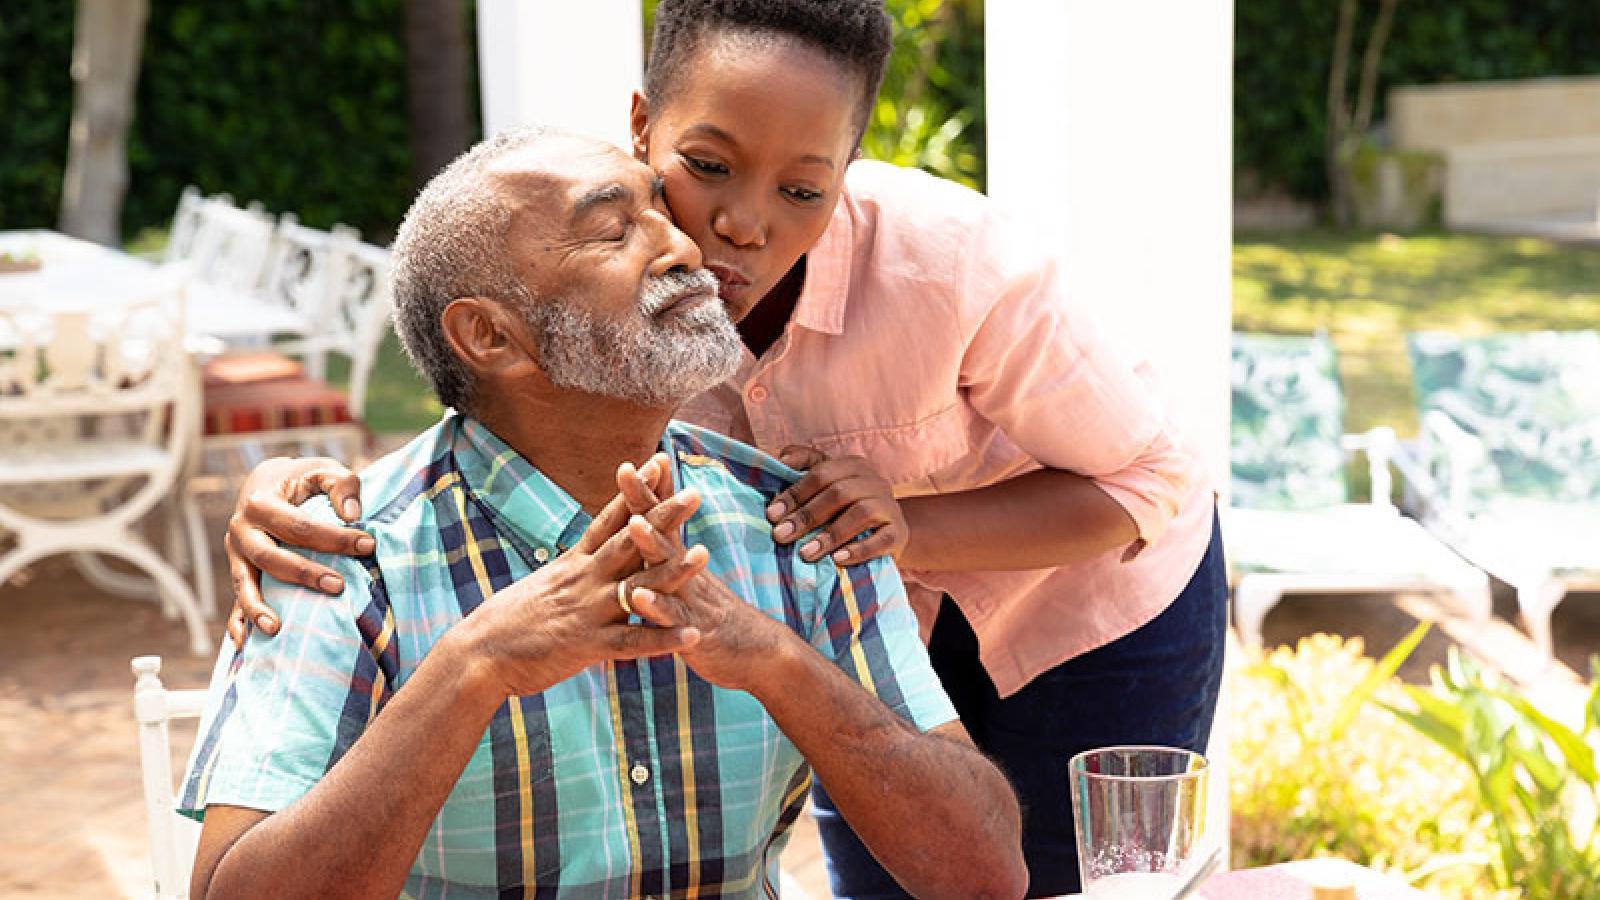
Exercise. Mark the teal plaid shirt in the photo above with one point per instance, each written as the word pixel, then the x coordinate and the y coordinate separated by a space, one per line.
pixel 630 779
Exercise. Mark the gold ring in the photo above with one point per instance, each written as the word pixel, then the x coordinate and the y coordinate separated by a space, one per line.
pixel 622 598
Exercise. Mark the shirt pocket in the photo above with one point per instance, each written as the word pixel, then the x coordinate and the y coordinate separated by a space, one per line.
pixel 907 455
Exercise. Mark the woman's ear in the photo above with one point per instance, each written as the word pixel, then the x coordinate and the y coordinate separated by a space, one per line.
pixel 639 123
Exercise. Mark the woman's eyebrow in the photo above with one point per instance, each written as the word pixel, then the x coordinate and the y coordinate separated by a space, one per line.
pixel 706 128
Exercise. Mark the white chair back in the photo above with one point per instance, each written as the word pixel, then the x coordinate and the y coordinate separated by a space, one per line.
pixel 357 316
pixel 231 246
pixel 185 225
pixel 299 274
pixel 173 838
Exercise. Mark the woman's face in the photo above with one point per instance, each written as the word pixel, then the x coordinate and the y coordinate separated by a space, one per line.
pixel 752 146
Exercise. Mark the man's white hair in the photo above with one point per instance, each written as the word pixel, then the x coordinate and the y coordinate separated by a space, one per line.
pixel 452 244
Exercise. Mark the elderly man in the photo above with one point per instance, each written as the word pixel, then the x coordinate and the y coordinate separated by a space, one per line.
pixel 533 687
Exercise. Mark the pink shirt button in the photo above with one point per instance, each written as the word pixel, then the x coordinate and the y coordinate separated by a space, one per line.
pixel 758 393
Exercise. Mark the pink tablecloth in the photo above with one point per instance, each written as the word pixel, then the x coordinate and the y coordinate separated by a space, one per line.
pixel 1293 881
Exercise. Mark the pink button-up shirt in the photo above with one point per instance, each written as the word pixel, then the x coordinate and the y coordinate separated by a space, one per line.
pixel 934 338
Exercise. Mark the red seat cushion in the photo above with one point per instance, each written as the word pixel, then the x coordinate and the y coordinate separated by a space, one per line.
pixel 272 405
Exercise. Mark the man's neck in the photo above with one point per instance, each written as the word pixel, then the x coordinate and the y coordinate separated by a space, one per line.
pixel 578 441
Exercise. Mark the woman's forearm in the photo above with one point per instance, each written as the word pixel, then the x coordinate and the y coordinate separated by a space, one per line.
pixel 1036 520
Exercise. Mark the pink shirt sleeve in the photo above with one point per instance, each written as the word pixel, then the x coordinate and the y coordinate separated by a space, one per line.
pixel 1038 368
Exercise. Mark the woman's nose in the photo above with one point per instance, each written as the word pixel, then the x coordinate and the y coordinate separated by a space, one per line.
pixel 743 228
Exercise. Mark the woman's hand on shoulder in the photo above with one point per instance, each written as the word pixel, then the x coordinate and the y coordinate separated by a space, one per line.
pixel 844 497
pixel 266 513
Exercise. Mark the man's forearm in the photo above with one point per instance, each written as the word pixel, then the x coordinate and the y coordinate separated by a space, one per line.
pixel 357 833
pixel 937 814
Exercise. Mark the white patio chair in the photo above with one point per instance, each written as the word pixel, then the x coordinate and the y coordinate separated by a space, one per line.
pixel 1507 466
pixel 230 246
pixel 1291 526
pixel 98 417
pixel 185 225
pixel 173 837
pixel 302 407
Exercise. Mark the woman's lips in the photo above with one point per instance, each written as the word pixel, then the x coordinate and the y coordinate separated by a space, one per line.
pixel 731 282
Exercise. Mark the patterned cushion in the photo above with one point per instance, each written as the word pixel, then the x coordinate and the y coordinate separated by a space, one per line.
pixel 1533 399
pixel 1287 423
pixel 282 403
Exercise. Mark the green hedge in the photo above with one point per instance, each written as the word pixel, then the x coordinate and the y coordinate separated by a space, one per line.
pixel 1281 58
pixel 299 105
pixel 302 106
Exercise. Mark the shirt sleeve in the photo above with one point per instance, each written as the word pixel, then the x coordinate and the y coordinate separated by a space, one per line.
pixel 1037 367
pixel 284 709
pixel 866 627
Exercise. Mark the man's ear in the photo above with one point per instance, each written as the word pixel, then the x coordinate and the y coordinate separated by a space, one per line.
pixel 639 123
pixel 480 333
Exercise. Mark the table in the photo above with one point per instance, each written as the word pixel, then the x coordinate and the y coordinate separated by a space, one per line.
pixel 77 274
pixel 1293 881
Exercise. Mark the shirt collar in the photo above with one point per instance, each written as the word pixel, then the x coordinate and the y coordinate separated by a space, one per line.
pixel 822 297
pixel 522 500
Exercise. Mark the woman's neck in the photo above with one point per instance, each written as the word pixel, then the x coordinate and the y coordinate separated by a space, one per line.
pixel 764 324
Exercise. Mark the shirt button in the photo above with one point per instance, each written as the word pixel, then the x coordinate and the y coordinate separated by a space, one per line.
pixel 639 774
pixel 541 554
pixel 758 393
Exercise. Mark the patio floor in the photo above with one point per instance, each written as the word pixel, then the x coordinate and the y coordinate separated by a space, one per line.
pixel 71 815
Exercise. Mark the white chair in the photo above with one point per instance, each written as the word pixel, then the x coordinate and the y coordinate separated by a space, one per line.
pixel 99 413
pixel 185 225
pixel 1290 526
pixel 173 838
pixel 1507 467
pixel 302 407
pixel 230 246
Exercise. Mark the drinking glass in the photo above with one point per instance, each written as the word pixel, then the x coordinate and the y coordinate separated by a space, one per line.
pixel 1140 813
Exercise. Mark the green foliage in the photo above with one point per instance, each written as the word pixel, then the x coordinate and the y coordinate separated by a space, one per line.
pixel 298 105
pixel 1281 60
pixel 930 111
pixel 1535 775
pixel 1323 771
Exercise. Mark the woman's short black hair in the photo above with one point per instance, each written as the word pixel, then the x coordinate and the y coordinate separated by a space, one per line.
pixel 855 33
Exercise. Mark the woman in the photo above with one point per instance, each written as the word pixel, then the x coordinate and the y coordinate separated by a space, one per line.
pixel 917 355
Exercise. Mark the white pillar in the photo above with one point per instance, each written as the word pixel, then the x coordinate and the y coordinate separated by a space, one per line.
pixel 1110 127
pixel 568 64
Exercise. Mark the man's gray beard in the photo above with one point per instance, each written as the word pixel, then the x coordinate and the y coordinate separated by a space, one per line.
pixel 640 359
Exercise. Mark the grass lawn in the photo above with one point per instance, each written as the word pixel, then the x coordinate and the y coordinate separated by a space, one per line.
pixel 1366 291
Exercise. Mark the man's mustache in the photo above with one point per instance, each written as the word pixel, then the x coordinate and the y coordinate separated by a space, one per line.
pixel 662 291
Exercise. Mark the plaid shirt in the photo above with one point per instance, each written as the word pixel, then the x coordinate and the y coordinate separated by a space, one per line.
pixel 627 780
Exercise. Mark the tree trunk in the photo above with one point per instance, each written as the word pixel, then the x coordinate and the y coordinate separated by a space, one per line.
pixel 1339 113
pixel 436 81
pixel 1367 86
pixel 107 40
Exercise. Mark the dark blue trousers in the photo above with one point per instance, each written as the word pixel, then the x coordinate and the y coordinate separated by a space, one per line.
pixel 1157 685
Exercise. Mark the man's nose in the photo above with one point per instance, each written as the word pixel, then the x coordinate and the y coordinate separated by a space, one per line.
pixel 677 248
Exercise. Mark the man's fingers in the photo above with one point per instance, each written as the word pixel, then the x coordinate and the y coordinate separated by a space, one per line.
pixel 635 641
pixel 270 513
pixel 670 514
pixel 660 610
pixel 670 576
pixel 653 546
pixel 634 486
pixel 605 526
